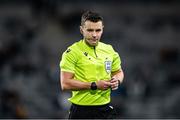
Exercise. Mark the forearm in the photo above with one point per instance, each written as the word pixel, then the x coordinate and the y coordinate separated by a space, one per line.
pixel 69 83
pixel 72 84
pixel 119 75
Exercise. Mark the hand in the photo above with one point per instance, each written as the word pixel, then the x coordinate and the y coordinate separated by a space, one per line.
pixel 114 83
pixel 103 84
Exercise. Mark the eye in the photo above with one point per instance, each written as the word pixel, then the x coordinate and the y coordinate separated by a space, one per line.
pixel 98 30
pixel 90 30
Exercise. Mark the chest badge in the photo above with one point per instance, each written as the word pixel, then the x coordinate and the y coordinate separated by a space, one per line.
pixel 108 65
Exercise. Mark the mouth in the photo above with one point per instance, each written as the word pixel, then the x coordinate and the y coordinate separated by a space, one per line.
pixel 94 40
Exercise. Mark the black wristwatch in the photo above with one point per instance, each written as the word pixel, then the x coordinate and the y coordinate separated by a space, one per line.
pixel 93 86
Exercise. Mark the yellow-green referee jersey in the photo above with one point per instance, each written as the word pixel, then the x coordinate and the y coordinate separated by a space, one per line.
pixel 90 64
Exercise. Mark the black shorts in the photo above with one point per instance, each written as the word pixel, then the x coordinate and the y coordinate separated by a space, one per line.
pixel 92 112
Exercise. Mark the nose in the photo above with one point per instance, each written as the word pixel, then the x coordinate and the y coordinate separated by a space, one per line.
pixel 94 34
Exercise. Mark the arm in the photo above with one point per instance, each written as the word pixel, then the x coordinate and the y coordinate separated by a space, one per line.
pixel 68 83
pixel 117 78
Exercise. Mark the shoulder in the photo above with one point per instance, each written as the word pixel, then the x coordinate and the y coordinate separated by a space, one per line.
pixel 73 48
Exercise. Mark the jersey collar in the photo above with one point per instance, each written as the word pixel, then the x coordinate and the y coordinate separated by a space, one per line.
pixel 86 46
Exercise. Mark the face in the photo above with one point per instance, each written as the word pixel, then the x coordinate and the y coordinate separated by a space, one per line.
pixel 92 32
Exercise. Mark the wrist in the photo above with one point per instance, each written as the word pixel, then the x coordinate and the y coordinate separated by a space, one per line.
pixel 93 86
pixel 119 82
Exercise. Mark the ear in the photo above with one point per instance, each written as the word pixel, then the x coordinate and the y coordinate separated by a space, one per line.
pixel 81 29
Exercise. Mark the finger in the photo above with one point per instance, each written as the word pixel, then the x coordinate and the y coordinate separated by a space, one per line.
pixel 114 88
pixel 113 84
pixel 108 84
pixel 114 80
pixel 105 86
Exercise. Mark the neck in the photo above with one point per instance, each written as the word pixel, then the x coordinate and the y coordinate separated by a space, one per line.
pixel 89 44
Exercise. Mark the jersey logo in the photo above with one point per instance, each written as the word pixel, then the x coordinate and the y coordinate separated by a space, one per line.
pixel 108 65
pixel 85 53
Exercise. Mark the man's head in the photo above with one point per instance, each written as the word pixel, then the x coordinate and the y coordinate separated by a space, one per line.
pixel 91 27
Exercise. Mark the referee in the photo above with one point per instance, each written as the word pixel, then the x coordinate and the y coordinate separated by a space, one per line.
pixel 90 69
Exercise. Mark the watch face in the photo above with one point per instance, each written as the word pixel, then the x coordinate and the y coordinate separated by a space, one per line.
pixel 93 86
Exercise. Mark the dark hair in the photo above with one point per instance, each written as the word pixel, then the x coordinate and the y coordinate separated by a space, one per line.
pixel 91 16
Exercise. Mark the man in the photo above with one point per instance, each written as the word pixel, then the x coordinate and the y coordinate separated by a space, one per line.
pixel 90 69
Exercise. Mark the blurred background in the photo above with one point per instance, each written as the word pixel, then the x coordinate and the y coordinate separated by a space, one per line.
pixel 34 34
